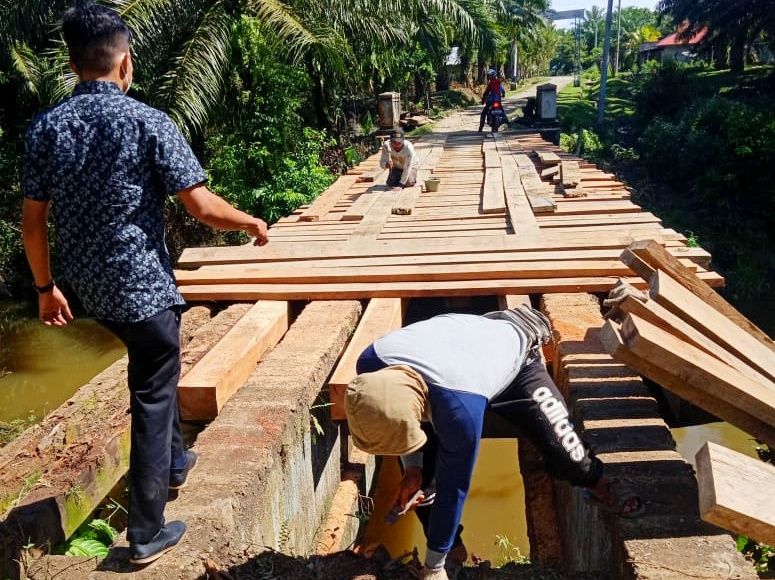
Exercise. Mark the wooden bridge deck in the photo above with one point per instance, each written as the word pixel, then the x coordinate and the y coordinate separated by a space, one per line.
pixel 494 227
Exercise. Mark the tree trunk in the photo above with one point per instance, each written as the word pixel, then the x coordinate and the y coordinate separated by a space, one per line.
pixel 737 54
pixel 318 100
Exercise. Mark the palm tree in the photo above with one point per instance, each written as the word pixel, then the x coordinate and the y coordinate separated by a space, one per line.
pixel 594 20
pixel 522 20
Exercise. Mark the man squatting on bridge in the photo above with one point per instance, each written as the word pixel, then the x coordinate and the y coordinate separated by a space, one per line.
pixel 105 163
pixel 421 393
pixel 399 157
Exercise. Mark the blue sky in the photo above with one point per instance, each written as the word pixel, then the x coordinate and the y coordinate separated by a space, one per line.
pixel 587 4
pixel 560 5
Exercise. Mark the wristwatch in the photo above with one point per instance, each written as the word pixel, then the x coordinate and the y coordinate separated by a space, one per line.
pixel 44 289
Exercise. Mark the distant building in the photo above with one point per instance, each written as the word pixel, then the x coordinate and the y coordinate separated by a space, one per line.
pixel 670 47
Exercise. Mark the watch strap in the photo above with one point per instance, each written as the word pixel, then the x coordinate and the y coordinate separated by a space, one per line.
pixel 44 289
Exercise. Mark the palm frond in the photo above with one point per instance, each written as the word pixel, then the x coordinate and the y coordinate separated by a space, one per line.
pixel 47 76
pixel 193 82
pixel 282 21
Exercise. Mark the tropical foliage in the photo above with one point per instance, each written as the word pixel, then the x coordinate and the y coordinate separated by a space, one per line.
pixel 733 26
pixel 266 91
pixel 629 29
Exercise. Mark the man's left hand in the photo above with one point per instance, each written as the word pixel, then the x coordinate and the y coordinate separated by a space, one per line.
pixel 53 308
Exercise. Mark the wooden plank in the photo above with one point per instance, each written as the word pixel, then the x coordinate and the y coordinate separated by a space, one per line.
pixel 462 257
pixel 371 224
pixel 493 198
pixel 328 199
pixel 361 206
pixel 735 492
pixel 205 388
pixel 660 316
pixel 380 317
pixel 541 204
pixel 680 301
pixel 652 253
pixel 672 378
pixel 249 253
pixel 520 213
pixel 406 200
pixel 550 172
pixel 546 157
pixel 444 288
pixel 703 376
pixel 393 273
pixel 570 174
pixel 491 158
pixel 509 301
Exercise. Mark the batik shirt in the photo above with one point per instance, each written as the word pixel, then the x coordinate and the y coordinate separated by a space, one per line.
pixel 107 163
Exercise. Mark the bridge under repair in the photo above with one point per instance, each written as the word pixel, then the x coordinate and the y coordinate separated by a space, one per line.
pixel 273 334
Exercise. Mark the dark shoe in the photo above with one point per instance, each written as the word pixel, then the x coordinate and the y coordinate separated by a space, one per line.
pixel 165 539
pixel 179 477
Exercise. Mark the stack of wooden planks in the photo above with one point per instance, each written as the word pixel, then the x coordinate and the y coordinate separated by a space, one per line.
pixel 688 339
pixel 492 228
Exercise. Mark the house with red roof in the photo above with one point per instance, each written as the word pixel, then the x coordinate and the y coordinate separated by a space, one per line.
pixel 671 47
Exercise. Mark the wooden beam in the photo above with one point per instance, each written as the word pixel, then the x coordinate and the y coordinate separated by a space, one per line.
pixel 249 253
pixel 404 273
pixel 405 201
pixel 570 174
pixel 493 200
pixel 345 291
pixel 736 492
pixel 520 213
pixel 369 227
pixel 660 316
pixel 204 390
pixel 653 254
pixel 679 300
pixel 361 206
pixel 703 376
pixel 328 199
pixel 380 317
pixel 673 379
pixel 547 158
pixel 509 301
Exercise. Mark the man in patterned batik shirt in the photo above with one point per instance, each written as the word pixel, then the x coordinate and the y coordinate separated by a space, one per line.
pixel 104 164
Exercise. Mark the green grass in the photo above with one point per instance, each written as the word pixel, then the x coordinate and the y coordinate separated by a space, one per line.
pixel 577 106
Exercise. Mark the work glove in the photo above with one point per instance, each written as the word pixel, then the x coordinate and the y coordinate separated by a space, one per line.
pixel 619 294
pixel 532 322
pixel 433 574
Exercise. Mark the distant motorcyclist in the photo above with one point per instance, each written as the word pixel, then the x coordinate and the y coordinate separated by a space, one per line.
pixel 493 93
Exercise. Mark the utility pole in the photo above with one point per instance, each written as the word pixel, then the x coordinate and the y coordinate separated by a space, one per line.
pixel 515 56
pixel 618 36
pixel 604 67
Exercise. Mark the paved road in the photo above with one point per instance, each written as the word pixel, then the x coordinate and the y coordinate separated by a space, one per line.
pixel 468 118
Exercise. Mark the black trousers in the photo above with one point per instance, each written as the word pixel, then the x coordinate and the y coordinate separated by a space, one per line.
pixel 394 177
pixel 153 346
pixel 483 115
pixel 535 406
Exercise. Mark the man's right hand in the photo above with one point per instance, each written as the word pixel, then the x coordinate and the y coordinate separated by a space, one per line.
pixel 389 165
pixel 258 231
pixel 410 484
